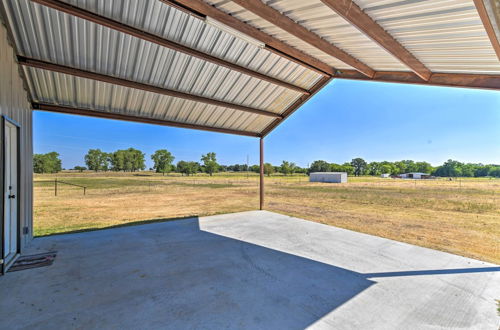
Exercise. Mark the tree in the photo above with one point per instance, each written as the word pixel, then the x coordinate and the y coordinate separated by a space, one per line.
pixel 47 163
pixel 451 168
pixel 359 165
pixel 255 168
pixel 210 163
pixel 129 160
pixel 319 166
pixel 374 168
pixel 423 167
pixel 79 168
pixel 162 161
pixel 187 168
pixel 96 160
pixel 287 167
pixel 268 169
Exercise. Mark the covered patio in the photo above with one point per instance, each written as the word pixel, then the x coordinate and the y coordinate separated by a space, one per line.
pixel 237 67
pixel 250 270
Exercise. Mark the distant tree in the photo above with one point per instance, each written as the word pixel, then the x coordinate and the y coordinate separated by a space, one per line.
pixel 287 168
pixel 494 171
pixel 79 168
pixel 359 165
pixel 96 160
pixel 374 168
pixel 38 163
pixel 319 166
pixel 187 168
pixel 129 160
pixel 255 168
pixel 387 168
pixel 210 163
pixel 47 163
pixel 423 167
pixel 348 168
pixel 268 169
pixel 162 161
pixel 450 168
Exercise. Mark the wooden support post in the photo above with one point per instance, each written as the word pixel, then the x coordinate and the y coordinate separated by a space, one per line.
pixel 261 173
pixel 55 187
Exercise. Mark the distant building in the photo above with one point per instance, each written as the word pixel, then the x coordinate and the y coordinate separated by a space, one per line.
pixel 415 175
pixel 332 177
pixel 385 175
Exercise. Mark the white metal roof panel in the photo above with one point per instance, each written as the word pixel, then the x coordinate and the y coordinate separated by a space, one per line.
pixel 67 90
pixel 446 35
pixel 50 35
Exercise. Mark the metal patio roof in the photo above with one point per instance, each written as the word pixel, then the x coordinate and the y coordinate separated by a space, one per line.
pixel 240 66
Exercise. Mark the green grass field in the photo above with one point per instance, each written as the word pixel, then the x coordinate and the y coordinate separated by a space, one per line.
pixel 460 216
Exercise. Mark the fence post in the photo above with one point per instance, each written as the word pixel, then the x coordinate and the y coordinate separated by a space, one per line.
pixel 84 190
pixel 55 187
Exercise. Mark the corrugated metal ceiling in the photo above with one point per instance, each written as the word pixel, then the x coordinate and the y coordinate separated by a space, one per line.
pixel 50 35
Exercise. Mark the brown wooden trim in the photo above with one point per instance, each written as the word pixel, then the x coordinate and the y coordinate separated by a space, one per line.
pixel 107 22
pixel 133 84
pixel 488 26
pixel 117 116
pixel 480 81
pixel 282 21
pixel 272 44
pixel 297 104
pixel 352 13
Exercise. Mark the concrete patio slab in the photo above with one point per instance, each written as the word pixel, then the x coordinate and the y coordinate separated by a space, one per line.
pixel 250 270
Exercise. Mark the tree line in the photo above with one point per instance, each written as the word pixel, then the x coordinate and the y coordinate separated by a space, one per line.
pixel 131 160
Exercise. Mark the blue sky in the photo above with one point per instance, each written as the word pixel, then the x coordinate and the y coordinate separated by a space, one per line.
pixel 347 119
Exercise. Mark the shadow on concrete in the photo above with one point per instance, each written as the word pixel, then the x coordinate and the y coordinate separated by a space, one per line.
pixel 433 272
pixel 176 275
pixel 172 275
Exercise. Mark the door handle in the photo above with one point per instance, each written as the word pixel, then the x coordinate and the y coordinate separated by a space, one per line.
pixel 12 196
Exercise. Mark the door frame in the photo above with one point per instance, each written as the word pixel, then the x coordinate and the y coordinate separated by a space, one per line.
pixel 4 119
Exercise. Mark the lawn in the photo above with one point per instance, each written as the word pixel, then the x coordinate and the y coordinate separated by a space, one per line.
pixel 460 216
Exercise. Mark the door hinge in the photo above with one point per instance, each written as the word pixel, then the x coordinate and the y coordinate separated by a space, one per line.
pixel 26 230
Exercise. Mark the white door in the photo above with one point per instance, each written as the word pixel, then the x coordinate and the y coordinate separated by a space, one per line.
pixel 11 198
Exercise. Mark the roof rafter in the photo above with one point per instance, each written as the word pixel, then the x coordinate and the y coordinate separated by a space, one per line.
pixel 480 81
pixel 112 24
pixel 296 105
pixel 488 26
pixel 491 82
pixel 133 84
pixel 283 22
pixel 352 13
pixel 146 120
pixel 272 44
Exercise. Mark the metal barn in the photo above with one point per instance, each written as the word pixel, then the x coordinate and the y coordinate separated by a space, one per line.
pixel 331 177
pixel 236 67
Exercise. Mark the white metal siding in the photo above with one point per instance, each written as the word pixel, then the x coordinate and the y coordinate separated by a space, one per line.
pixel 14 104
pixel 329 177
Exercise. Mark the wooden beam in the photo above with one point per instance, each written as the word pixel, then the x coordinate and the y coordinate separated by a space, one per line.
pixel 353 14
pixel 282 21
pixel 488 26
pixel 275 45
pixel 133 84
pixel 116 116
pixel 297 104
pixel 107 22
pixel 480 81
pixel 488 82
